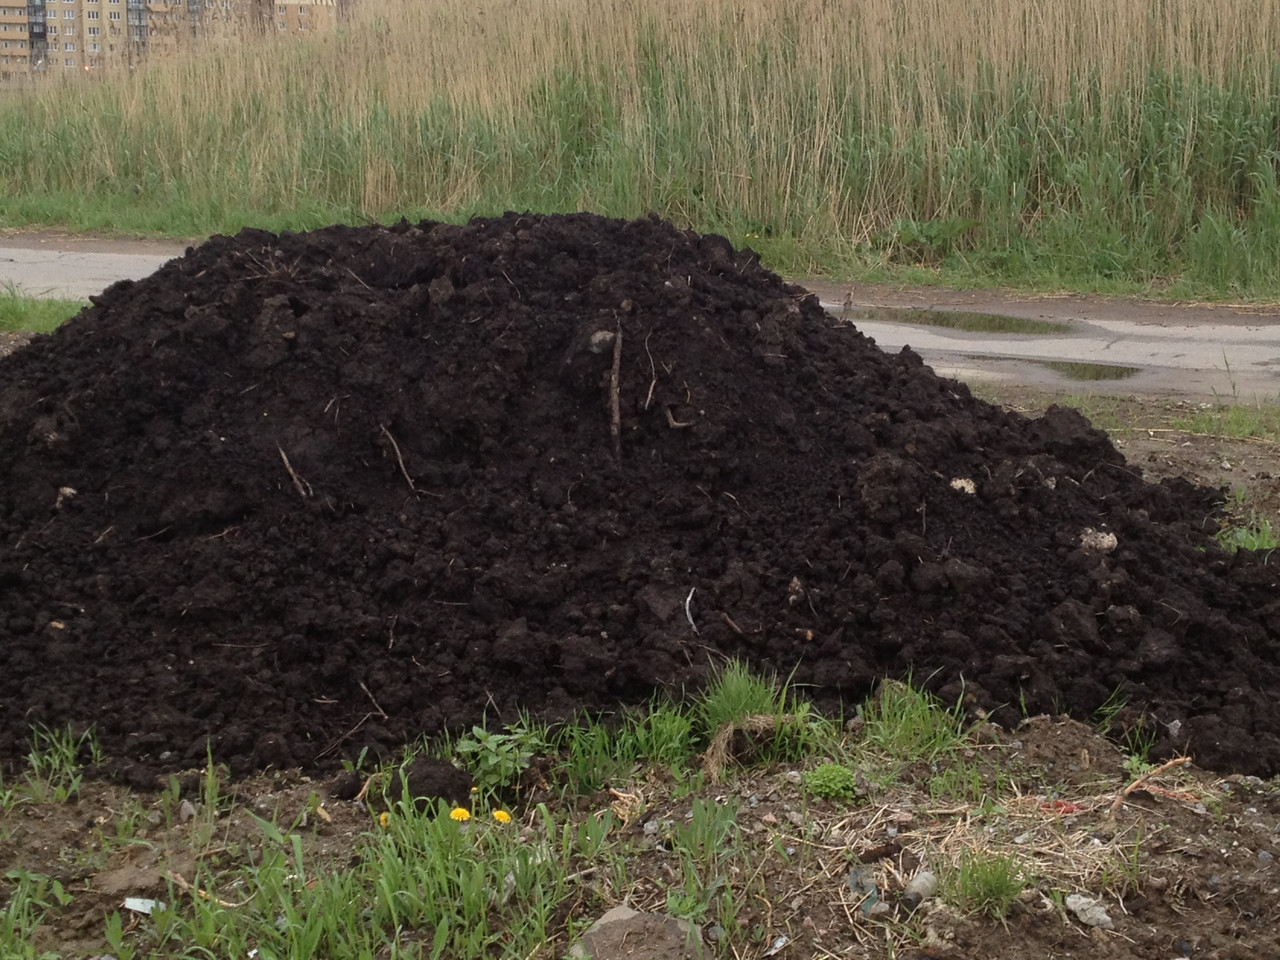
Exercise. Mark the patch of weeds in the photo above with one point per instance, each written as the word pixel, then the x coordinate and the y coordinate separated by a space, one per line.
pixel 738 703
pixel 30 897
pixel 705 845
pixel 958 780
pixel 736 693
pixel 910 724
pixel 984 883
pixel 476 886
pixel 18 311
pixel 53 764
pixel 1253 533
pixel 708 835
pixel 832 781
pixel 1104 718
pixel 1236 420
pixel 1137 742
pixel 496 760
pixel 356 765
pixel 591 755
pixel 1123 874
pixel 663 735
pixel 9 795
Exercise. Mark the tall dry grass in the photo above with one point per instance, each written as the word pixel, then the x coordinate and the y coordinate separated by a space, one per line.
pixel 1117 137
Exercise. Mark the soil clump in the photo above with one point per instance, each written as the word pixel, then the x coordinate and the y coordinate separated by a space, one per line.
pixel 296 495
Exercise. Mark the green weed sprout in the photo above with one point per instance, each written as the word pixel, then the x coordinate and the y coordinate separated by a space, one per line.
pixel 832 781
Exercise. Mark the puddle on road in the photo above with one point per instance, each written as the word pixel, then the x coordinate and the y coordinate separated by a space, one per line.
pixel 960 320
pixel 1075 370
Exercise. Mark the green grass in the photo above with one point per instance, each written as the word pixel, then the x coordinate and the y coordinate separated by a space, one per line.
pixel 908 723
pixel 1253 533
pixel 18 311
pixel 54 761
pixel 735 693
pixel 1259 421
pixel 984 883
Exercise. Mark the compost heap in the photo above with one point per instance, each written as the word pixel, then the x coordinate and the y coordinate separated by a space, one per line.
pixel 294 496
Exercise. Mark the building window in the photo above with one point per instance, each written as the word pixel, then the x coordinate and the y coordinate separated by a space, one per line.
pixel 68 62
pixel 95 47
pixel 114 15
pixel 93 31
pixel 68 14
pixel 68 31
pixel 92 15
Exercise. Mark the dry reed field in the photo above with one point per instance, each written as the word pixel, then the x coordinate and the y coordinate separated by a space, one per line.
pixel 1080 142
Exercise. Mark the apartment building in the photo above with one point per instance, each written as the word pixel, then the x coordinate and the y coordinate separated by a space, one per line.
pixel 51 36
pixel 20 27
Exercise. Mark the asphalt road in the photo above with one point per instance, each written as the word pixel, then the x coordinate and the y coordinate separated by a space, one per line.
pixel 1202 351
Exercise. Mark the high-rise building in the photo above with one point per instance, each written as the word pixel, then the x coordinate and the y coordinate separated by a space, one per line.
pixel 50 36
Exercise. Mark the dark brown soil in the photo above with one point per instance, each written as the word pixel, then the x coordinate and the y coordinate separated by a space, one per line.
pixel 296 495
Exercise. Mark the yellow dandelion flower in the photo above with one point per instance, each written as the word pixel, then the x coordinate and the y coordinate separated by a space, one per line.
pixel 384 818
pixel 461 814
pixel 502 816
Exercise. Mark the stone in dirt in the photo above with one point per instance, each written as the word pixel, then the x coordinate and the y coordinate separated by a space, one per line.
pixel 1089 911
pixel 625 934
pixel 337 488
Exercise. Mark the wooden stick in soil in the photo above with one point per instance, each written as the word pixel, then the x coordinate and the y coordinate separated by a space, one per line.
pixel 1120 798
pixel 653 371
pixel 399 459
pixel 303 488
pixel 615 402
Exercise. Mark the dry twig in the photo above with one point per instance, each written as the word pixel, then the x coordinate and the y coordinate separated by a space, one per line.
pixel 303 488
pixel 1123 794
pixel 615 402
pixel 399 459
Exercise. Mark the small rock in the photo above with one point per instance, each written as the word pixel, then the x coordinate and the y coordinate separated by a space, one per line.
pixel 794 776
pixel 615 935
pixel 921 887
pixel 186 811
pixel 796 817
pixel 1089 911
pixel 1265 856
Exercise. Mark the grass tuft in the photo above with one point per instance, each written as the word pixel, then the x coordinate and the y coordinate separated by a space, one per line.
pixel 21 312
pixel 911 724
pixel 984 883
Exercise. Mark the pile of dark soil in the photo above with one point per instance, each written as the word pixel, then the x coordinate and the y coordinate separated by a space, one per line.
pixel 296 495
